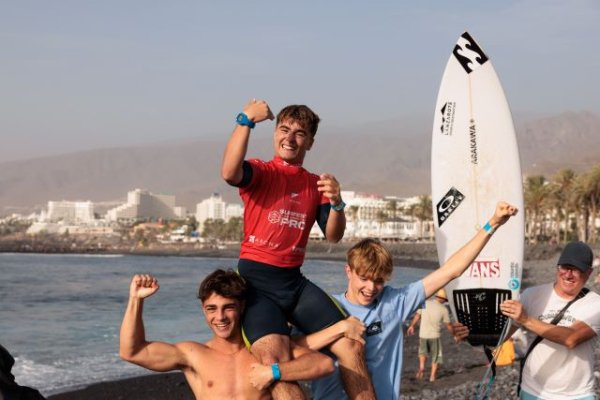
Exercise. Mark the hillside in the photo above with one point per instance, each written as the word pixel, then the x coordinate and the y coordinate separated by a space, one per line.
pixel 390 157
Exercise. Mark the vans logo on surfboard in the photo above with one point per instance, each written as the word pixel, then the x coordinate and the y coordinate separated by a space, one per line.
pixel 484 268
pixel 446 206
pixel 468 53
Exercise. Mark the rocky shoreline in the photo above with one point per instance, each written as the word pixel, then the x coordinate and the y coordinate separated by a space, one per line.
pixel 462 370
pixel 414 254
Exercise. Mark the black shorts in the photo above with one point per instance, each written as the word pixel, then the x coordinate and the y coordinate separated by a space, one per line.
pixel 277 296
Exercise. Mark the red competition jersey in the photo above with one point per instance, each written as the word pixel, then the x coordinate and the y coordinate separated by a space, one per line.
pixel 280 208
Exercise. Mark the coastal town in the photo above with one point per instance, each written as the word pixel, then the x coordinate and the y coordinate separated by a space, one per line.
pixel 557 209
pixel 148 220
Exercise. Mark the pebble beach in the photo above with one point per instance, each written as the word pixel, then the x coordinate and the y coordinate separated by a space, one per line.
pixel 463 365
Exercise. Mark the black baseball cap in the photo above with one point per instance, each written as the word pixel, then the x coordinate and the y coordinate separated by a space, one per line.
pixel 577 254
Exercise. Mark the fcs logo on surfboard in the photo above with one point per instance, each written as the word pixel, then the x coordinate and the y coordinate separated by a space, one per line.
pixel 446 206
pixel 480 297
pixel 468 53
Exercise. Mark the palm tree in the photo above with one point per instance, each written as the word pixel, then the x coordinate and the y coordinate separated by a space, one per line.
pixel 213 230
pixel 536 193
pixel 353 209
pixel 594 186
pixel 392 208
pixel 234 229
pixel 580 201
pixel 560 200
pixel 423 212
pixel 381 218
pixel 589 198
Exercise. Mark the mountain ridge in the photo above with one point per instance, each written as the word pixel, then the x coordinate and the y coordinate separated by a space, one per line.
pixel 385 157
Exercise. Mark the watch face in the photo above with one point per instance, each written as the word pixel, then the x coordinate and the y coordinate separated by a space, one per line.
pixel 340 206
pixel 242 119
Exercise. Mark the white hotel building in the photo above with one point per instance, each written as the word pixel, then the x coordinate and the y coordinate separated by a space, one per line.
pixel 367 215
pixel 69 212
pixel 141 204
pixel 215 207
pixel 371 215
pixel 73 217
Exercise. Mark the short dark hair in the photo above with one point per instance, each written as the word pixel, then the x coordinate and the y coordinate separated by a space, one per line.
pixel 302 115
pixel 224 283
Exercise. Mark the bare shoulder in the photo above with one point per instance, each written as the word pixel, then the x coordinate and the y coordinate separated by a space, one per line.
pixel 195 349
pixel 191 345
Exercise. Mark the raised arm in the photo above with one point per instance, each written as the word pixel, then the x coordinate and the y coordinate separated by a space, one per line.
pixel 351 327
pixel 336 222
pixel 461 260
pixel 306 365
pixel 235 151
pixel 133 347
pixel 568 336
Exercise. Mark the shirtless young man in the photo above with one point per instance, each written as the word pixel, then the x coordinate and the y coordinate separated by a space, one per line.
pixel 282 201
pixel 222 367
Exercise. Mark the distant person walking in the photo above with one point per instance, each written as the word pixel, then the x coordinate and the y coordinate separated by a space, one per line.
pixel 432 317
pixel 561 322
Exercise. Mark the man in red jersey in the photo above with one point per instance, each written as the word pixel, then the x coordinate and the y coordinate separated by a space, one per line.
pixel 282 201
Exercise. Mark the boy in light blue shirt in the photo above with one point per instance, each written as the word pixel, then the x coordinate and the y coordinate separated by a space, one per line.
pixel 383 320
pixel 384 309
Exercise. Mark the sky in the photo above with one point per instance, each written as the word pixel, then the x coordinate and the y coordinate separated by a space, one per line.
pixel 82 74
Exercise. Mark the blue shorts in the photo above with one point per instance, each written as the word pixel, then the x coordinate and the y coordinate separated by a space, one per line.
pixel 278 297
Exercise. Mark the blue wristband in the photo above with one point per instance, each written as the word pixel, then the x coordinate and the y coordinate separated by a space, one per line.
pixel 488 228
pixel 276 372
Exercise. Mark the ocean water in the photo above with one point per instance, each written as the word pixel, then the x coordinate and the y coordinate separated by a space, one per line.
pixel 60 314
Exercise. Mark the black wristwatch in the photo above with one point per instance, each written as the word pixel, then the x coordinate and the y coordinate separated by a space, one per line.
pixel 339 207
pixel 243 120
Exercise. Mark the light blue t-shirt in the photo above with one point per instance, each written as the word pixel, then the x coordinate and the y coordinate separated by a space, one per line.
pixel 383 318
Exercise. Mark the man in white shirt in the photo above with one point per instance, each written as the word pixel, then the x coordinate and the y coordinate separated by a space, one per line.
pixel 561 366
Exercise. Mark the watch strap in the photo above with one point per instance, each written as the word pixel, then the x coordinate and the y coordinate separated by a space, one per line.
pixel 339 207
pixel 243 120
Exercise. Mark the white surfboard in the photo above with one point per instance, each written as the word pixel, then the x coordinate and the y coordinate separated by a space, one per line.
pixel 475 164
